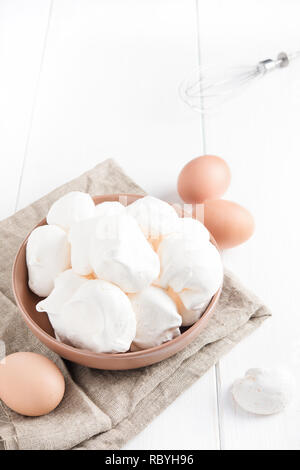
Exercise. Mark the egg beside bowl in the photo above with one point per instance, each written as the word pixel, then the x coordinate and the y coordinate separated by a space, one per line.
pixel 39 322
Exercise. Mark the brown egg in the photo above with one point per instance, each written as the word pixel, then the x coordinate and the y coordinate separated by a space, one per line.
pixel 228 222
pixel 203 178
pixel 30 384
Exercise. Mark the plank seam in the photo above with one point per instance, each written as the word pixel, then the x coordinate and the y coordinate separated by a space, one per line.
pixel 203 148
pixel 218 393
pixel 34 101
pixel 202 120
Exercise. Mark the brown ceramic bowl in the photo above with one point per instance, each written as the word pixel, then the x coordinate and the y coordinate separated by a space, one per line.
pixel 41 327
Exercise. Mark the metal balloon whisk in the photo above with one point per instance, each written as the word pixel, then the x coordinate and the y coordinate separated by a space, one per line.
pixel 212 87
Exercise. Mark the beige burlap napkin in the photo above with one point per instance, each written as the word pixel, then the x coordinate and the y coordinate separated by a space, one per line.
pixel 104 409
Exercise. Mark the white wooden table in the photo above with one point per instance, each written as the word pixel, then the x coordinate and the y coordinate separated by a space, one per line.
pixel 83 80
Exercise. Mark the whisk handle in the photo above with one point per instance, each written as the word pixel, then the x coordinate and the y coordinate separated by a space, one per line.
pixel 267 65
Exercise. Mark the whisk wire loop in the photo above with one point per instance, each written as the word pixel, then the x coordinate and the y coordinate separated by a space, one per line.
pixel 211 88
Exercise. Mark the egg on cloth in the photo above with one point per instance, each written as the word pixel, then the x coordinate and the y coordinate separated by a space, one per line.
pixel 203 178
pixel 47 255
pixel 229 223
pixel 264 391
pixel 30 384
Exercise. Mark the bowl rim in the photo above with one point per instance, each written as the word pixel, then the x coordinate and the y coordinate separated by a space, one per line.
pixel 83 352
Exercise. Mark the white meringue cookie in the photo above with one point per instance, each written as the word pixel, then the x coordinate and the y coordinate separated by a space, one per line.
pixel 189 265
pixel 81 232
pixel 155 217
pixel 191 228
pixel 195 300
pixel 189 316
pixel 264 391
pixel 98 317
pixel 121 254
pixel 80 239
pixel 109 208
pixel 65 285
pixel 157 318
pixel 71 208
pixel 47 255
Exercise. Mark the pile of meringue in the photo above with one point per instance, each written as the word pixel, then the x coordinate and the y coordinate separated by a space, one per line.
pixel 116 278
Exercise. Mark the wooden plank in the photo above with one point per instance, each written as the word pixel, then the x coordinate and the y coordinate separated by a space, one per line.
pixel 191 422
pixel 22 33
pixel 109 88
pixel 257 133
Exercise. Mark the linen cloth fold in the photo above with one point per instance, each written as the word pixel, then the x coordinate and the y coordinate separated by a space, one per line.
pixel 104 409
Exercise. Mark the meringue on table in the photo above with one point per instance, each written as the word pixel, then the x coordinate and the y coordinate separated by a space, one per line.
pixel 156 316
pixel 47 255
pixel 264 391
pixel 120 253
